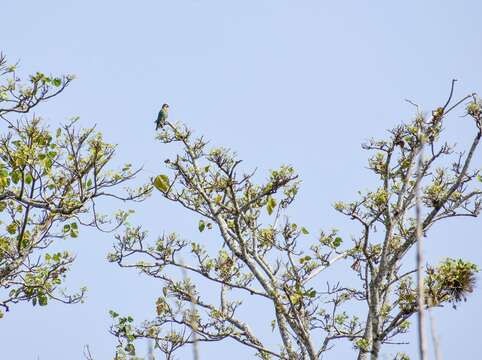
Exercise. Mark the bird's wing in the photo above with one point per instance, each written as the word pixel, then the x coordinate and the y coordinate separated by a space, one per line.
pixel 159 116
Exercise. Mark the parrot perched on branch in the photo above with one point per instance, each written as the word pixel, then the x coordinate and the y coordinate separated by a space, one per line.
pixel 162 117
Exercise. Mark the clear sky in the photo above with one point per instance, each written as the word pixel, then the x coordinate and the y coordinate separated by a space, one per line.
pixel 299 82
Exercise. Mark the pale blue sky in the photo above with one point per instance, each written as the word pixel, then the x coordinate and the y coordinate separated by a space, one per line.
pixel 299 82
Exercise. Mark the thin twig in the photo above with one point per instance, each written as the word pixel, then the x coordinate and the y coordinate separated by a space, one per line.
pixel 195 350
pixel 451 94
pixel 87 353
pixel 420 288
pixel 458 103
pixel 435 338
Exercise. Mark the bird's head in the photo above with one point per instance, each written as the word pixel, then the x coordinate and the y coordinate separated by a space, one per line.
pixel 165 107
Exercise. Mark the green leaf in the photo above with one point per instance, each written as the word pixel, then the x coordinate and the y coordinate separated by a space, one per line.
pixel 270 205
pixel 42 300
pixel 161 182
pixel 337 242
pixel 202 225
pixel 304 230
pixel 66 228
pixel 113 314
pixel 131 350
pixel 12 228
pixel 15 177
pixel 48 163
pixel 479 177
pixel 164 291
pixel 57 82
pixel 28 179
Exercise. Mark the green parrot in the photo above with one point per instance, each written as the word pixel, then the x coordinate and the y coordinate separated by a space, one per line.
pixel 162 117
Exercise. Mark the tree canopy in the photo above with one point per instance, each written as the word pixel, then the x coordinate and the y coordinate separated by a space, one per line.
pixel 260 256
pixel 51 181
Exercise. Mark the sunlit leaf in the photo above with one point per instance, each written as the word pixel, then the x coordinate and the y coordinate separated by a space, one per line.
pixel 161 182
pixel 202 225
pixel 270 205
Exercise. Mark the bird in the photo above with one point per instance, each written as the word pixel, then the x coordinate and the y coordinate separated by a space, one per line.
pixel 162 117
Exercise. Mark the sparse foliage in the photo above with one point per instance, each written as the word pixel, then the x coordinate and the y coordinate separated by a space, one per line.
pixel 260 255
pixel 50 182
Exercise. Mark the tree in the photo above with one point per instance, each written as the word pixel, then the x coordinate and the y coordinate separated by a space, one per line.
pixel 50 183
pixel 261 258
